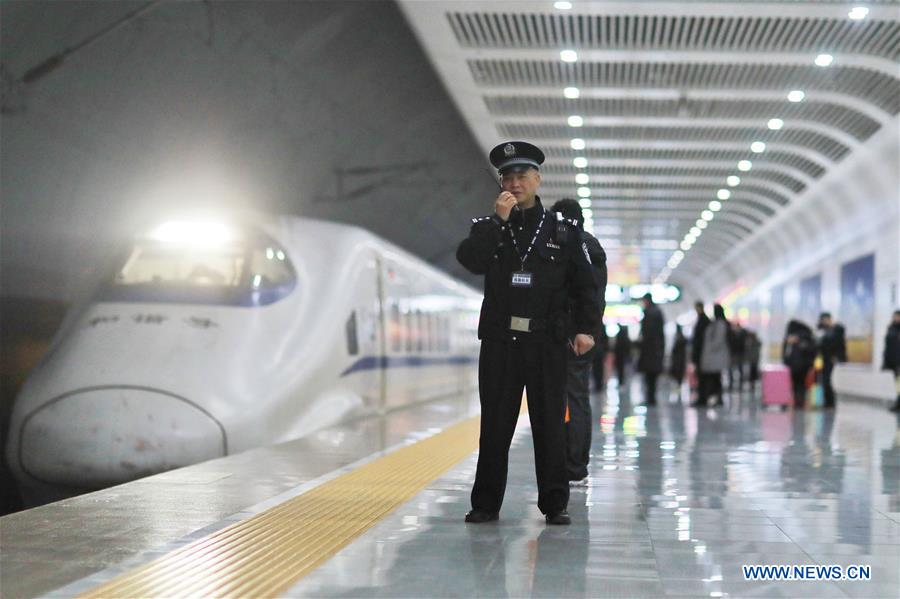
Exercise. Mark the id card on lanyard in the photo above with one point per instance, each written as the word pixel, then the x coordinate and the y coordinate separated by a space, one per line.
pixel 523 279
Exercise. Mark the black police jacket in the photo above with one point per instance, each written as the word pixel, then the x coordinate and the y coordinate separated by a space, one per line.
pixel 833 344
pixel 598 265
pixel 560 270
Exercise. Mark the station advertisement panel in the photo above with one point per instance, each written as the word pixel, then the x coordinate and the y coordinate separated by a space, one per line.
pixel 777 322
pixel 810 305
pixel 858 307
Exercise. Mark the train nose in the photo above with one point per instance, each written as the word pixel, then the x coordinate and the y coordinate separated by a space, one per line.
pixel 102 436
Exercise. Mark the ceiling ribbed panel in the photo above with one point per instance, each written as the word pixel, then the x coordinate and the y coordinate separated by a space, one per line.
pixel 707 191
pixel 853 122
pixel 817 142
pixel 873 87
pixel 640 32
pixel 558 152
pixel 645 171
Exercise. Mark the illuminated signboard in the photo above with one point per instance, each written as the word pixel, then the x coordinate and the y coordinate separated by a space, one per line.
pixel 661 293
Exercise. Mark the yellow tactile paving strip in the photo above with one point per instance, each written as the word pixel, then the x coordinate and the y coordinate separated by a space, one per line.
pixel 266 554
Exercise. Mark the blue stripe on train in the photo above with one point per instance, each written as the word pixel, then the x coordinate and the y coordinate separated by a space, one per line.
pixel 384 362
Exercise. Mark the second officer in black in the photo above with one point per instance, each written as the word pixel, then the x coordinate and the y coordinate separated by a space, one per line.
pixel 533 264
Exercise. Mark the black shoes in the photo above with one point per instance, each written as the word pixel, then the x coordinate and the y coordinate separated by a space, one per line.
pixel 480 516
pixel 559 518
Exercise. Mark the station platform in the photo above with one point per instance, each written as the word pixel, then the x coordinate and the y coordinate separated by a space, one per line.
pixel 677 501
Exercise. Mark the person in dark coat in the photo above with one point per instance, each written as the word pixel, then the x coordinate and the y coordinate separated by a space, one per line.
pixel 833 349
pixel 753 353
pixel 798 352
pixel 578 380
pixel 601 349
pixel 539 288
pixel 737 347
pixel 653 347
pixel 891 359
pixel 678 359
pixel 697 342
pixel 622 352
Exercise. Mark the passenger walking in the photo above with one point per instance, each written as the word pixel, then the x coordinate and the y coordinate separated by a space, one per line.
pixel 536 269
pixel 622 352
pixel 652 348
pixel 601 350
pixel 891 360
pixel 678 358
pixel 753 353
pixel 832 345
pixel 578 381
pixel 715 357
pixel 798 354
pixel 697 343
pixel 736 343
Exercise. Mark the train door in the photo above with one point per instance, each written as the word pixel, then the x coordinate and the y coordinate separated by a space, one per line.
pixel 364 335
pixel 381 334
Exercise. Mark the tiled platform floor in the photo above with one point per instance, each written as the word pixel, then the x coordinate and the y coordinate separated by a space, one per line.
pixel 678 500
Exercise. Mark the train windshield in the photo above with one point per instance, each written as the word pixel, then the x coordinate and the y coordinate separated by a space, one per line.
pixel 158 264
pixel 249 270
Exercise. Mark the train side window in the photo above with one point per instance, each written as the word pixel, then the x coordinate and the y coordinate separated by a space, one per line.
pixel 269 267
pixel 433 330
pixel 420 332
pixel 395 328
pixel 408 330
pixel 352 337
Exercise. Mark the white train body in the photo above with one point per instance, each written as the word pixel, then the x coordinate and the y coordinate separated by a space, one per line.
pixel 311 323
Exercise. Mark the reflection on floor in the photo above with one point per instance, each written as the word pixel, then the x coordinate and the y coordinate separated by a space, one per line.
pixel 678 501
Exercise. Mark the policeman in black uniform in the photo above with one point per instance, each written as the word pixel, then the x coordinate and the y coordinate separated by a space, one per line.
pixel 534 263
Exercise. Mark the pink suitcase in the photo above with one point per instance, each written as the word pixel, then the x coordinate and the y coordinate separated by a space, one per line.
pixel 776 386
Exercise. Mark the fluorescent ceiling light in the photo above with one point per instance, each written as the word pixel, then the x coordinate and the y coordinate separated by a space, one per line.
pixel 707 215
pixel 572 93
pixel 715 205
pixel 568 56
pixel 723 194
pixel 858 13
pixel 578 144
pixel 824 60
pixel 733 180
pixel 757 147
pixel 584 192
pixel 562 5
pixel 582 178
pixel 796 96
pixel 745 165
pixel 580 162
pixel 575 121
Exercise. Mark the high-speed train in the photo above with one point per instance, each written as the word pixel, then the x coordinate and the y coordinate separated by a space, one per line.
pixel 212 338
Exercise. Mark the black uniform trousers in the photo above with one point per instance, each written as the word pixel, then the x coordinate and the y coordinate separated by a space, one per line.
pixel 578 429
pixel 504 369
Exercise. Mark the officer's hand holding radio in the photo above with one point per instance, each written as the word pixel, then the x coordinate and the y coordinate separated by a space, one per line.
pixel 504 205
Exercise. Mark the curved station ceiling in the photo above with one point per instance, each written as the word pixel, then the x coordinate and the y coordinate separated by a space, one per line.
pixel 682 127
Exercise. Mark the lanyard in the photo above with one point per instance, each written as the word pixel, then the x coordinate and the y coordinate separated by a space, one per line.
pixel 537 232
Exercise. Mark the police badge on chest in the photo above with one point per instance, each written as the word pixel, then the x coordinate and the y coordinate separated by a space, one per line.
pixel 521 279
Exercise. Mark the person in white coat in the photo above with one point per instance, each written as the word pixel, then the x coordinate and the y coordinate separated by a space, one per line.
pixel 714 358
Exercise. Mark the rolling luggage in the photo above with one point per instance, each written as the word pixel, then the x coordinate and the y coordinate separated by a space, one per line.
pixel 776 386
